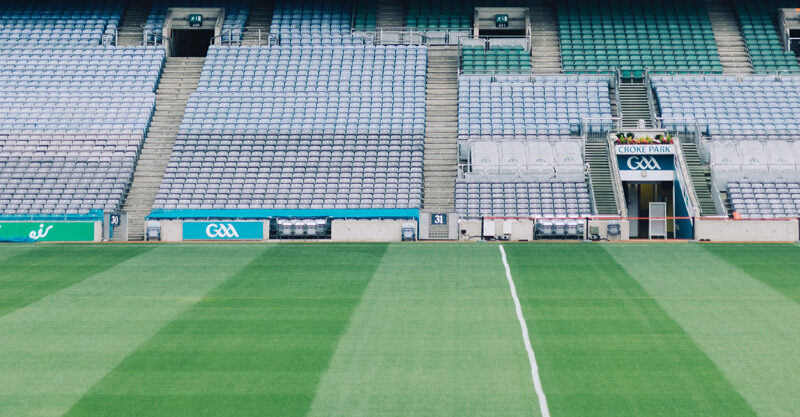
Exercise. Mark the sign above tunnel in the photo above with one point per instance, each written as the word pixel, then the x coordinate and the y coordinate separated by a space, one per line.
pixel 642 149
pixel 646 167
pixel 195 20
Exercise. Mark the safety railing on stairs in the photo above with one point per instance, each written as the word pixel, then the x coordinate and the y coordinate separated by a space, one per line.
pixel 616 179
pixel 109 39
pixel 588 179
pixel 226 37
pixel 617 80
pixel 651 100
pixel 152 38
pixel 682 173
pixel 716 194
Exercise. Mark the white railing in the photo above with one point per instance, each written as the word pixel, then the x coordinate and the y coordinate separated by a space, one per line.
pixel 414 36
pixel 687 189
pixel 616 179
pixel 230 37
pixel 110 39
pixel 157 38
pixel 651 100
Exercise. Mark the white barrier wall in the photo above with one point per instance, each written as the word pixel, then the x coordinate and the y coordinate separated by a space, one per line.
pixel 171 230
pixel 368 230
pixel 729 230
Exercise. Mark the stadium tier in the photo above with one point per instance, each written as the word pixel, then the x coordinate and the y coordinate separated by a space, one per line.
pixel 313 22
pixel 302 127
pixel 726 105
pixel 559 206
pixel 440 14
pixel 236 14
pixel 671 35
pixel 523 199
pixel 498 59
pixel 50 23
pixel 760 34
pixel 72 122
pixel 365 15
pixel 515 107
pixel 329 117
pixel 759 200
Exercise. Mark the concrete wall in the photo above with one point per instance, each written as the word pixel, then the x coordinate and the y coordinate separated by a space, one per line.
pixel 368 230
pixel 472 229
pixel 625 229
pixel 98 231
pixel 171 230
pixel 729 230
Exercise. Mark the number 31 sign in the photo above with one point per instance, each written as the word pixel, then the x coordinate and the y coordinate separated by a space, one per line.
pixel 438 219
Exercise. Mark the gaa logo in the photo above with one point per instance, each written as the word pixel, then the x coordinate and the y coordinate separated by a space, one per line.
pixel 221 231
pixel 643 163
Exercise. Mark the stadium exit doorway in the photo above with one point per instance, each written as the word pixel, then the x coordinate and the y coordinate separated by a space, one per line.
pixel 188 31
pixel 639 196
pixel 191 43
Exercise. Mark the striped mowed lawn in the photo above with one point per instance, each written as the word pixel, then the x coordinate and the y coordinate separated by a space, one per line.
pixel 398 329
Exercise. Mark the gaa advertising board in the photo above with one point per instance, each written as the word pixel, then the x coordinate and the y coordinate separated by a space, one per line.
pixel 646 162
pixel 47 231
pixel 223 230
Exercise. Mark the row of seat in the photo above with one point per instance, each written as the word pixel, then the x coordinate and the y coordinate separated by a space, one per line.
pixel 321 121
pixel 498 59
pixel 663 35
pixel 58 23
pixel 523 199
pixel 723 105
pixel 765 200
pixel 313 22
pixel 512 108
pixel 761 36
pixel 69 140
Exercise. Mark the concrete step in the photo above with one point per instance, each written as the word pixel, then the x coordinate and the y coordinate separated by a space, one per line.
pixel 174 89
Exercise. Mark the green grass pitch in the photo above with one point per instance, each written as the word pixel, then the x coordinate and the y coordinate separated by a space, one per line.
pixel 422 329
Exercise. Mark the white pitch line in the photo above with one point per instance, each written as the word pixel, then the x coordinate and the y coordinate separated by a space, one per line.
pixel 537 382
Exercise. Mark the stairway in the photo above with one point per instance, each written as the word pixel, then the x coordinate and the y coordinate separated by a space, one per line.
pixel 726 202
pixel 178 81
pixel 701 178
pixel 728 36
pixel 441 130
pixel 390 14
pixel 260 20
pixel 130 29
pixel 596 156
pixel 612 98
pixel 545 45
pixel 633 105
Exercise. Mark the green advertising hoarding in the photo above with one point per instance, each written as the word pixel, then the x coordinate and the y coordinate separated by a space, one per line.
pixel 47 231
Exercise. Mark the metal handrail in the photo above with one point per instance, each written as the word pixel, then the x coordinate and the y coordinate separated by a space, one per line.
pixel 651 105
pixel 229 32
pixel 115 37
pixel 617 85
pixel 688 185
pixel 588 179
pixel 156 37
pixel 616 179
pixel 717 195
pixel 520 169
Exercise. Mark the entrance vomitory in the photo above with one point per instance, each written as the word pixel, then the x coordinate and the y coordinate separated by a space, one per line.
pixel 656 200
